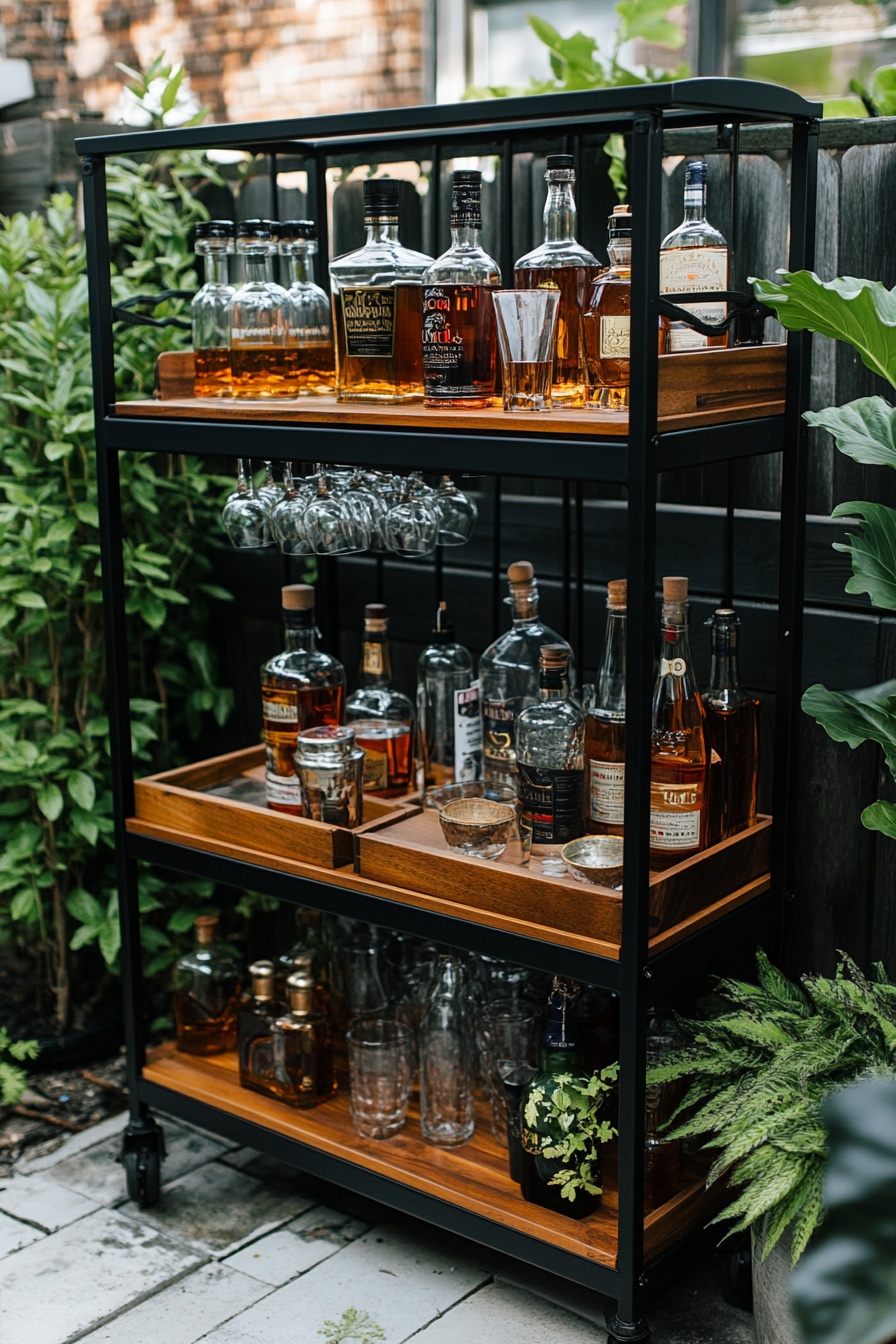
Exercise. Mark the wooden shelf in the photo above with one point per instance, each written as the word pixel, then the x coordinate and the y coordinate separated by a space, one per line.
pixel 473 1177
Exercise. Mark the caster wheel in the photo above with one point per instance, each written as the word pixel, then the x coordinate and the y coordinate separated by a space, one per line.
pixel 143 1174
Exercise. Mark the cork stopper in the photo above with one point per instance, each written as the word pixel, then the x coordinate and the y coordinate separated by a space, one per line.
pixel 262 973
pixel 675 589
pixel 725 613
pixel 376 617
pixel 206 927
pixel 554 657
pixel 297 597
pixel 300 988
pixel 617 590
pixel 520 571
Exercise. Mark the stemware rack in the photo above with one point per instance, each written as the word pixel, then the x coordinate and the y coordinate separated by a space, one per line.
pixel 752 408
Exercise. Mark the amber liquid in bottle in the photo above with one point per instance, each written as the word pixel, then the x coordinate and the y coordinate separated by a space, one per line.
pixel 574 284
pixel 206 987
pixel 314 367
pixel 388 759
pixel 605 725
pixel 212 372
pixel 732 724
pixel 604 750
pixel 263 371
pixel 394 377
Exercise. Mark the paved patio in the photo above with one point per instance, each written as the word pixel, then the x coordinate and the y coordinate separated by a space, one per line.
pixel 242 1250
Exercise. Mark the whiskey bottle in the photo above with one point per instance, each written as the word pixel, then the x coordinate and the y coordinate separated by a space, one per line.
pixel 210 310
pixel 254 1023
pixel 302 1049
pixel 383 718
pixel 377 313
pixel 679 762
pixel 310 332
pixel 263 363
pixel 300 688
pixel 694 259
pixel 206 989
pixel 550 739
pixel 732 724
pixel 605 726
pixel 508 676
pixel 606 323
pixel 458 313
pixel 448 709
pixel 562 263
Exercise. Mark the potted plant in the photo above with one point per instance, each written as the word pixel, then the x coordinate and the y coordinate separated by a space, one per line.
pixel 564 1128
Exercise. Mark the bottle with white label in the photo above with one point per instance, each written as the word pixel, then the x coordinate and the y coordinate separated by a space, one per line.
pixel 606 323
pixel 605 726
pixel 679 760
pixel 448 709
pixel 300 688
pixel 694 260
pixel 550 739
pixel 382 718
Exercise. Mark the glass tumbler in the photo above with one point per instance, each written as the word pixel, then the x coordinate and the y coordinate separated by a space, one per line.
pixel 507 1030
pixel 380 1074
pixel 526 319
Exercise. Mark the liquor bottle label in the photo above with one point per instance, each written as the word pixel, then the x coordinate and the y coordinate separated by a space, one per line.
pixel 458 336
pixel 376 770
pixel 373 659
pixel 281 784
pixel 467 734
pixel 615 337
pixel 282 713
pixel 368 313
pixel 676 811
pixel 685 270
pixel 552 801
pixel 498 719
pixel 606 792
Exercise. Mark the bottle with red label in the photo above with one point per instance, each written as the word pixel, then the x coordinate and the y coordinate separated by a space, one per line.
pixel 605 726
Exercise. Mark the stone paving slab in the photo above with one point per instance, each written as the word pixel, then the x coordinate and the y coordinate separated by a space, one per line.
pixel 75 1143
pixel 97 1173
pixel 504 1315
pixel 187 1309
pixel 66 1283
pixel 283 1255
pixel 404 1275
pixel 38 1200
pixel 14 1235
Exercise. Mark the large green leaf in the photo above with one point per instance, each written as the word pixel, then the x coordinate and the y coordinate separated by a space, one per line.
pixel 860 312
pixel 872 551
pixel 880 816
pixel 854 720
pixel 864 430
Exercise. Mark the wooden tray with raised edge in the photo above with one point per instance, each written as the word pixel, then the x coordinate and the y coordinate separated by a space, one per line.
pixel 413 854
pixel 696 387
pixel 223 799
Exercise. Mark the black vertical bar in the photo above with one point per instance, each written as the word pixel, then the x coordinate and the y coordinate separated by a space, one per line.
pixel 435 198
pixel 646 199
pixel 728 539
pixel 498 589
pixel 505 249
pixel 275 205
pixel 96 232
pixel 711 19
pixel 565 503
pixel 579 623
pixel 804 176
pixel 439 574
pixel 317 192
pixel 380 579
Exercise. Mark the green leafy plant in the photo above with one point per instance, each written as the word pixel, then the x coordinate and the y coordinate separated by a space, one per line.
pixel 353 1325
pixel 13 1078
pixel 564 1120
pixel 863 314
pixel 760 1072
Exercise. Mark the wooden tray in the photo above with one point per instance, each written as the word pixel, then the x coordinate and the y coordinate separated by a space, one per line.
pixel 413 854
pixel 223 799
pixel 696 387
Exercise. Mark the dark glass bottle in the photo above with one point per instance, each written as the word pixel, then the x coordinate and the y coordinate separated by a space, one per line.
pixel 303 1049
pixel 254 1023
pixel 605 726
pixel 382 718
pixel 732 723
pixel 206 989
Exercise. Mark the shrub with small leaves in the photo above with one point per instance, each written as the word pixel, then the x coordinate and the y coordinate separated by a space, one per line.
pixel 353 1327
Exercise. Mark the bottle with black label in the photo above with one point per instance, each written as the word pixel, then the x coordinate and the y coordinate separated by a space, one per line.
pixel 382 718
pixel 448 709
pixel 377 313
pixel 550 740
pixel 508 676
pixel 605 726
pixel 458 313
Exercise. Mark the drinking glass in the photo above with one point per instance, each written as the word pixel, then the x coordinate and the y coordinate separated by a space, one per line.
pixel 333 526
pixel 269 492
pixel 526 319
pixel 457 514
pixel 411 527
pixel 380 1074
pixel 288 518
pixel 244 516
pixel 506 1029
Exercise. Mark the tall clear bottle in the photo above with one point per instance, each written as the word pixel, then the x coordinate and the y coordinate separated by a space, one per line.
pixel 680 752
pixel 605 726
pixel 508 676
pixel 377 307
pixel 262 361
pixel 210 310
pixel 300 688
pixel 382 717
pixel 310 330
pixel 447 1057
pixel 732 723
pixel 458 313
pixel 448 709
pixel 694 259
pixel 550 739
pixel 562 263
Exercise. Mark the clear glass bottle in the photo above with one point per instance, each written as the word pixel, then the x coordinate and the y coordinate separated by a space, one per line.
pixel 377 312
pixel 508 676
pixel 448 709
pixel 662 1155
pixel 303 1072
pixel 447 1057
pixel 562 263
pixel 263 363
pixel 254 1021
pixel 300 688
pixel 210 310
pixel 458 313
pixel 383 718
pixel 310 330
pixel 362 956
pixel 206 991
pixel 679 762
pixel 732 725
pixel 694 259
pixel 550 740
pixel 605 726
pixel 606 324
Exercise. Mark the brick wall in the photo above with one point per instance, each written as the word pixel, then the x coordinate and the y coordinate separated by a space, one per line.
pixel 41 34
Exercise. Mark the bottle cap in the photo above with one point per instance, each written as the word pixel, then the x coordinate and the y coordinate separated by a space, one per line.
pixel 262 973
pixel 263 229
pixel 214 228
pixel 554 657
pixel 620 222
pixel 695 173
pixel 675 589
pixel 520 571
pixel 725 613
pixel 297 597
pixel 298 228
pixel 300 988
pixel 206 927
pixel 466 197
pixel 381 197
pixel 467 177
pixel 443 630
pixel 617 590
pixel 560 161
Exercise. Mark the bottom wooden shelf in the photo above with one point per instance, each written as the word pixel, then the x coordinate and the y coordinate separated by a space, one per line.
pixel 474 1176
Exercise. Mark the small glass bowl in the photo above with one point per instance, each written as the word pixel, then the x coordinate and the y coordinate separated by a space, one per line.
pixel 477 827
pixel 595 858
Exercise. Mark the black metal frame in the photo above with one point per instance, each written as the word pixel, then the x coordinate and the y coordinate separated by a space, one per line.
pixel 643 113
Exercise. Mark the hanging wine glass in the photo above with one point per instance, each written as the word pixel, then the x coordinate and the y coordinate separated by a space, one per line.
pixel 269 492
pixel 457 514
pixel 333 526
pixel 412 526
pixel 244 516
pixel 288 519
